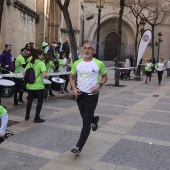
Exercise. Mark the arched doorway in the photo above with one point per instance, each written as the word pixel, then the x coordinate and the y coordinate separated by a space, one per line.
pixel 111 43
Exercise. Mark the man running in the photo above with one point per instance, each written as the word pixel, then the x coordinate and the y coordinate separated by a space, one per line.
pixel 88 71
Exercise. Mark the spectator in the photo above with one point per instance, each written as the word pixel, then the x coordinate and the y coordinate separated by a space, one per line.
pixel 51 50
pixel 45 45
pixel 63 68
pixel 66 48
pixel 58 47
pixel 6 58
pixel 127 65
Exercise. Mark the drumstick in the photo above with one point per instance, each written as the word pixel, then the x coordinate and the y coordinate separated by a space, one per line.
pixel 21 75
pixel 58 74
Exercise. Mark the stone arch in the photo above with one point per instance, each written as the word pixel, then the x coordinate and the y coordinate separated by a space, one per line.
pixel 109 24
pixel 107 17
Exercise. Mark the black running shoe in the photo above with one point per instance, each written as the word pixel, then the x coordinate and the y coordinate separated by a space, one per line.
pixel 52 95
pixel 1 139
pixel 16 105
pixel 39 120
pixel 76 150
pixel 95 123
pixel 21 101
pixel 27 118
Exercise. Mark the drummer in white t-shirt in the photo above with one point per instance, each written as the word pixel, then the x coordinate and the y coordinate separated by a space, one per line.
pixel 63 68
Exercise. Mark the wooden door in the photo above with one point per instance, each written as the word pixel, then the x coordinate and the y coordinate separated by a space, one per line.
pixel 111 43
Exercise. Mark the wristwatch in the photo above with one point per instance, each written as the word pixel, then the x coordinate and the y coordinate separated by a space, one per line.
pixel 101 84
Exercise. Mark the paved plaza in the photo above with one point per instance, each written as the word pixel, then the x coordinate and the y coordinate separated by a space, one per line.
pixel 133 134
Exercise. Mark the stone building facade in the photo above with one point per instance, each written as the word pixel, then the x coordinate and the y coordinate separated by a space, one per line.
pixel 22 21
pixel 109 30
pixel 17 24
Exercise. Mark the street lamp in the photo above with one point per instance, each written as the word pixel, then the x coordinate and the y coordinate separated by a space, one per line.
pixel 99 5
pixel 158 44
pixel 142 26
pixel 142 29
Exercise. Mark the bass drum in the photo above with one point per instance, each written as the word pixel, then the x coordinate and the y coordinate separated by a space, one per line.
pixel 57 84
pixel 7 88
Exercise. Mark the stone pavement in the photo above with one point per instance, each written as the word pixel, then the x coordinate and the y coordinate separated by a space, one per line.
pixel 133 134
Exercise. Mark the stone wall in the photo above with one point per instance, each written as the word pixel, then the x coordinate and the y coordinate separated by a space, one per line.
pixel 18 28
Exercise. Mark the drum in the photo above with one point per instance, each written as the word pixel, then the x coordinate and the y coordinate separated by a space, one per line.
pixel 7 88
pixel 47 84
pixel 57 84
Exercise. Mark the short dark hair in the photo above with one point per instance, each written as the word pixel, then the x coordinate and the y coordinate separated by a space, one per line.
pixel 59 43
pixel 7 45
pixel 22 49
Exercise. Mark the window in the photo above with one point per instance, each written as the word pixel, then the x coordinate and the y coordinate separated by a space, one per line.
pixel 1 11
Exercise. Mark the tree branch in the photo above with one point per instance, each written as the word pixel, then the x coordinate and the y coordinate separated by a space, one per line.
pixel 59 4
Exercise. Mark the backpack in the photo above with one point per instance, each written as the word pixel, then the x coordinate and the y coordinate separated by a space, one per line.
pixel 30 75
pixel 12 66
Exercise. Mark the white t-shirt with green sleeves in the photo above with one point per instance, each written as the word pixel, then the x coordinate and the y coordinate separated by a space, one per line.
pixel 88 73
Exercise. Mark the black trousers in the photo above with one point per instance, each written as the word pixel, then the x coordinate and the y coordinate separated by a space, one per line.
pixel 87 105
pixel 160 73
pixel 148 74
pixel 66 78
pixel 40 97
pixel 19 88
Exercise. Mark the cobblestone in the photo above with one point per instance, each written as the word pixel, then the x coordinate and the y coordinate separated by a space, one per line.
pixel 74 119
pixel 151 130
pixel 47 137
pixel 122 101
pixel 157 116
pixel 111 110
pixel 150 157
pixel 17 161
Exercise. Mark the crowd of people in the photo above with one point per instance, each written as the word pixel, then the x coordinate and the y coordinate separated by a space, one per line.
pixel 86 70
pixel 51 58
pixel 149 67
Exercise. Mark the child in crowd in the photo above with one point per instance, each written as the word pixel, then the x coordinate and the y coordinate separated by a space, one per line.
pixel 50 67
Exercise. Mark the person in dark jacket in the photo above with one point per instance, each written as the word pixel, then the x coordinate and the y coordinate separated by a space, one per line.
pixel 58 47
pixel 51 50
pixel 66 48
pixel 6 58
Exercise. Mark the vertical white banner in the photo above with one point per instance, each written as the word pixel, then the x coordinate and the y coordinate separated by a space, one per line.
pixel 146 37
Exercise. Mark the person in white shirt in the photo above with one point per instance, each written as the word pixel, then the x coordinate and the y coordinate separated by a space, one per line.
pixel 160 67
pixel 63 68
pixel 91 76
pixel 168 67
pixel 127 65
pixel 148 70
